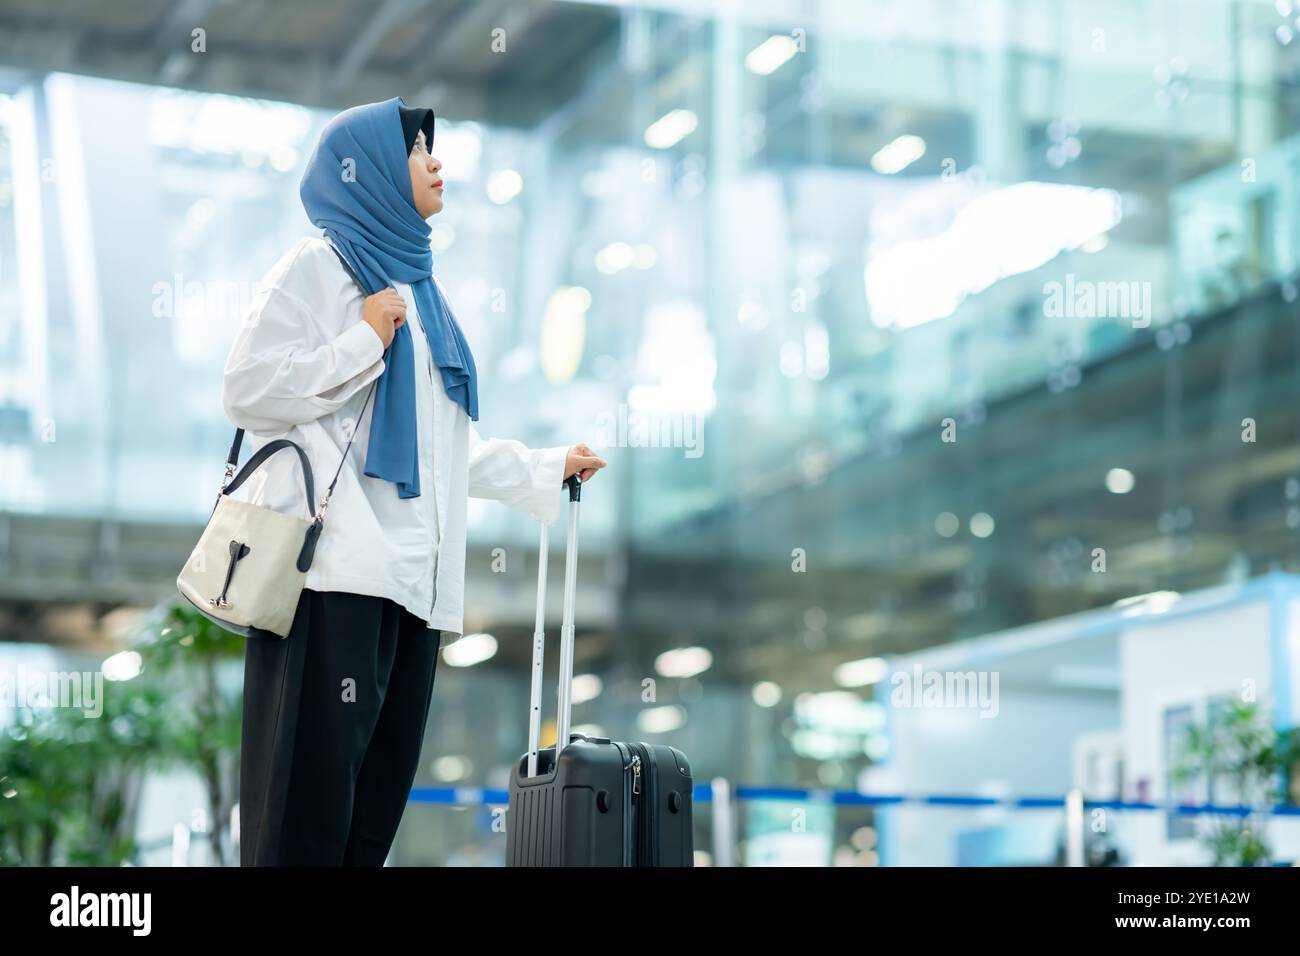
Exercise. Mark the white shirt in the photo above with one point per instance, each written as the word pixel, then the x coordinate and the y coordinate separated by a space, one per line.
pixel 300 368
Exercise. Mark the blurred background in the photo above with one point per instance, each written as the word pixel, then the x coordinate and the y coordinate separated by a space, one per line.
pixel 944 355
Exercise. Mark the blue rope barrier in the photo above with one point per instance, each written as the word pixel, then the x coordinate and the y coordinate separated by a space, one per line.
pixel 703 793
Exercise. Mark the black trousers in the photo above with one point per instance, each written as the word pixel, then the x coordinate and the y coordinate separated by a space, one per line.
pixel 334 718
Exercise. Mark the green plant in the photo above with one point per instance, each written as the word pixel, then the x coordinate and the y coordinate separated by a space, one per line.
pixel 1239 749
pixel 70 783
pixel 190 651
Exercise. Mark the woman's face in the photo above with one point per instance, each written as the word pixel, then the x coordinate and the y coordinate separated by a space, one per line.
pixel 426 183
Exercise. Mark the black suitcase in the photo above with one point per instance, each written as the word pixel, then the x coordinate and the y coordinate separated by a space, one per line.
pixel 608 803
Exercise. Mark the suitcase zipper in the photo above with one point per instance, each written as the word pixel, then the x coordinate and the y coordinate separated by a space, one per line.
pixel 630 788
pixel 646 808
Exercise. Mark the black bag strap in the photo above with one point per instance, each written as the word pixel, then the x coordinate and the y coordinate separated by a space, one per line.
pixel 265 452
pixel 347 266
pixel 270 448
pixel 324 503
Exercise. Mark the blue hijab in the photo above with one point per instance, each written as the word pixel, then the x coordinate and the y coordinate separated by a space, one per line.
pixel 357 188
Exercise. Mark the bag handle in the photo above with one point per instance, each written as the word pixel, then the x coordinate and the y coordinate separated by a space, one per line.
pixel 564 706
pixel 270 448
pixel 265 452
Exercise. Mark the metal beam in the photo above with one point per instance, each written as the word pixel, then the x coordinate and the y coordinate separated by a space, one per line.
pixel 377 27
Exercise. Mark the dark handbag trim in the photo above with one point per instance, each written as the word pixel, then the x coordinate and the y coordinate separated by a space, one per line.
pixel 243 630
pixel 265 452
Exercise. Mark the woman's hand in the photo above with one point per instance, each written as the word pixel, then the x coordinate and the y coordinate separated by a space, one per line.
pixel 583 462
pixel 384 312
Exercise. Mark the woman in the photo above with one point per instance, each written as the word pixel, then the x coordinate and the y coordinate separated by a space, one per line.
pixel 334 714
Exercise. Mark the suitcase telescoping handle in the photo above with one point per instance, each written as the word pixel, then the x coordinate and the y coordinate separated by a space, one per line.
pixel 565 701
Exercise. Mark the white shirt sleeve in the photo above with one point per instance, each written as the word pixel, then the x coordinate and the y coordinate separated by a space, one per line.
pixel 290 363
pixel 526 479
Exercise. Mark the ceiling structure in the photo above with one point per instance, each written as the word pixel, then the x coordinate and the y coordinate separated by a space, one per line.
pixel 325 53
